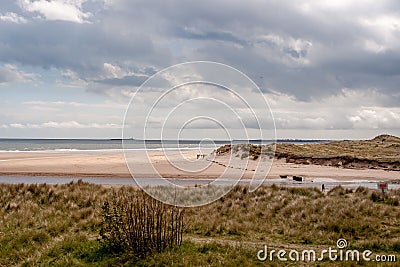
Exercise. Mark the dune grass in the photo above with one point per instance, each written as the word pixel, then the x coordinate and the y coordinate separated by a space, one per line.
pixel 381 152
pixel 383 148
pixel 58 225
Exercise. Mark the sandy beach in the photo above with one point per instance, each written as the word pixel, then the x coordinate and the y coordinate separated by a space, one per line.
pixel 178 165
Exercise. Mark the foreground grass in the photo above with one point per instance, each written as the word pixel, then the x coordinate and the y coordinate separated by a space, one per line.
pixel 42 225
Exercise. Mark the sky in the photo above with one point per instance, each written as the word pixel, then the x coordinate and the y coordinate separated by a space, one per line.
pixel 69 68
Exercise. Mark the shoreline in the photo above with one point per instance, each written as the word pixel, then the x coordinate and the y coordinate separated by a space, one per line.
pixel 112 165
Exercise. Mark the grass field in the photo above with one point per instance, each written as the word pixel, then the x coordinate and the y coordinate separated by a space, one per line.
pixel 42 225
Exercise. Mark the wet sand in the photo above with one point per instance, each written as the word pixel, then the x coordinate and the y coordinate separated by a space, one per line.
pixel 178 165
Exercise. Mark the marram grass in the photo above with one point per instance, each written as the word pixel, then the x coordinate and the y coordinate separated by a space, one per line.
pixel 59 225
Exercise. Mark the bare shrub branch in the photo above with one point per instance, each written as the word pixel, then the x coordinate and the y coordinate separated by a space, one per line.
pixel 136 222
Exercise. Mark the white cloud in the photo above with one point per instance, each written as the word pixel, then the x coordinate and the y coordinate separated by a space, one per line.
pixel 66 10
pixel 50 104
pixel 376 118
pixel 384 31
pixel 12 17
pixel 10 73
pixel 374 46
pixel 351 109
pixel 16 125
pixel 113 71
pixel 63 125
pixel 73 80
pixel 386 23
pixel 109 3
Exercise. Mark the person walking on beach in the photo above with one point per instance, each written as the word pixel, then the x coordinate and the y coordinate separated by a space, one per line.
pixel 323 188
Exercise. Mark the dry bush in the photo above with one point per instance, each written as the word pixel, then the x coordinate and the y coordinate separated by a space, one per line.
pixel 135 222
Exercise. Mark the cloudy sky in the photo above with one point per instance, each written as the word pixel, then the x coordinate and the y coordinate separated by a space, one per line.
pixel 329 69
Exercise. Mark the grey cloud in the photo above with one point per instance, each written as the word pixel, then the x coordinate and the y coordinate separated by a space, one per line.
pixel 84 48
pixel 131 80
pixel 200 34
pixel 337 60
pixel 320 48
